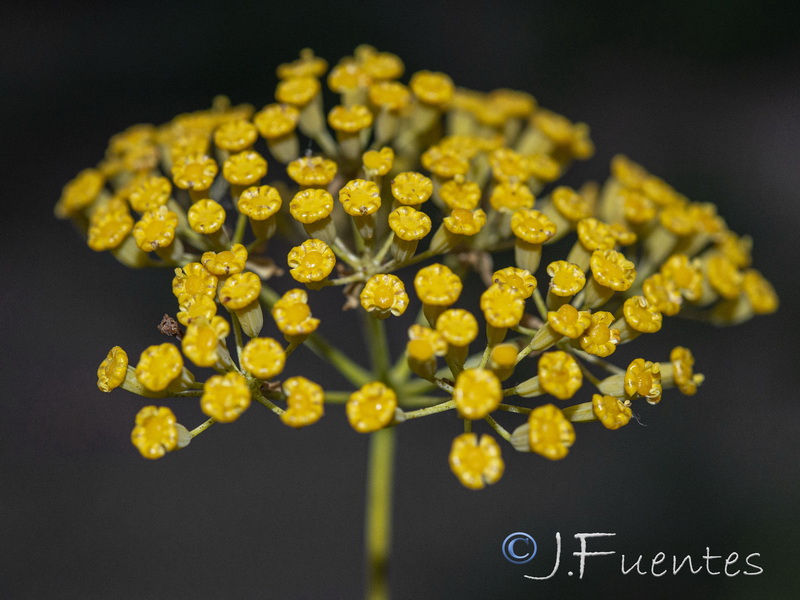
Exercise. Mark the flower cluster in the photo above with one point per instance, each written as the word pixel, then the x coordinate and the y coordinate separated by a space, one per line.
pixel 410 192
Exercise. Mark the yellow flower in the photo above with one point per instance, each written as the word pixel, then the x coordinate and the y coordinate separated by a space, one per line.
pixel 510 196
pixel 477 393
pixel 460 193
pixel 409 224
pixel 445 162
pixel 663 294
pixel 437 285
pixel 543 168
pixel 371 408
pixel 305 402
pixel 643 378
pixel 628 173
pixel 502 306
pixel 549 433
pixel 149 193
pixel 384 294
pixel 612 270
pixel 389 95
pixel 156 432
pixel 680 371
pixel 465 222
pixel 194 172
pixel 637 207
pixel 559 374
pixel 80 192
pixel 156 229
pixel 111 372
pixel 312 261
pixel 263 358
pixel 600 339
pixel 349 119
pixel 313 171
pixel 425 343
pixel 595 235
pixel 532 227
pixel 723 276
pixel 227 262
pixel 611 411
pixel 109 225
pixel 240 290
pixel 276 120
pixel 196 307
pixel 759 292
pixel 203 342
pixel 566 279
pixel 508 165
pixel 310 206
pixel 236 135
pixel 225 397
pixel 457 326
pixel 516 279
pixel 736 248
pixel 347 76
pixel 476 464
pixel 569 321
pixel 383 65
pixel 411 188
pixel 259 202
pixel 159 366
pixel 685 274
pixel 206 216
pixel 244 168
pixel 298 91
pixel 308 65
pixel 571 205
pixel 360 197
pixel 378 162
pixel 292 314
pixel 640 316
pixel 435 89
pixel 193 280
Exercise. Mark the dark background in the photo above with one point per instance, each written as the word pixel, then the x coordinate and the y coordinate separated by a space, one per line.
pixel 706 95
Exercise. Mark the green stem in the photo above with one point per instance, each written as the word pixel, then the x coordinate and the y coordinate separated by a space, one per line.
pixel 378 537
pixel 201 428
pixel 238 234
pixel 378 347
pixel 431 410
pixel 268 403
pixel 501 431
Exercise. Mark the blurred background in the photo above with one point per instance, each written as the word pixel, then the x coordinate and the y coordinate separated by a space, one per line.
pixel 705 95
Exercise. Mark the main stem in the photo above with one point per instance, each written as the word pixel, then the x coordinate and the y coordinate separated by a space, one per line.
pixel 380 475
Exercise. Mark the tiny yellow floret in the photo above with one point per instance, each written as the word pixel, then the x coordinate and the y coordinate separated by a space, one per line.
pixel 159 366
pixel 227 262
pixel 477 393
pixel 384 294
pixel 476 464
pixel 156 432
pixel 372 407
pixel 411 188
pixel 240 290
pixel 305 402
pixel 611 411
pixel 312 261
pixel 263 358
pixel 559 374
pixel 111 372
pixel 293 315
pixel 550 434
pixel 225 397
